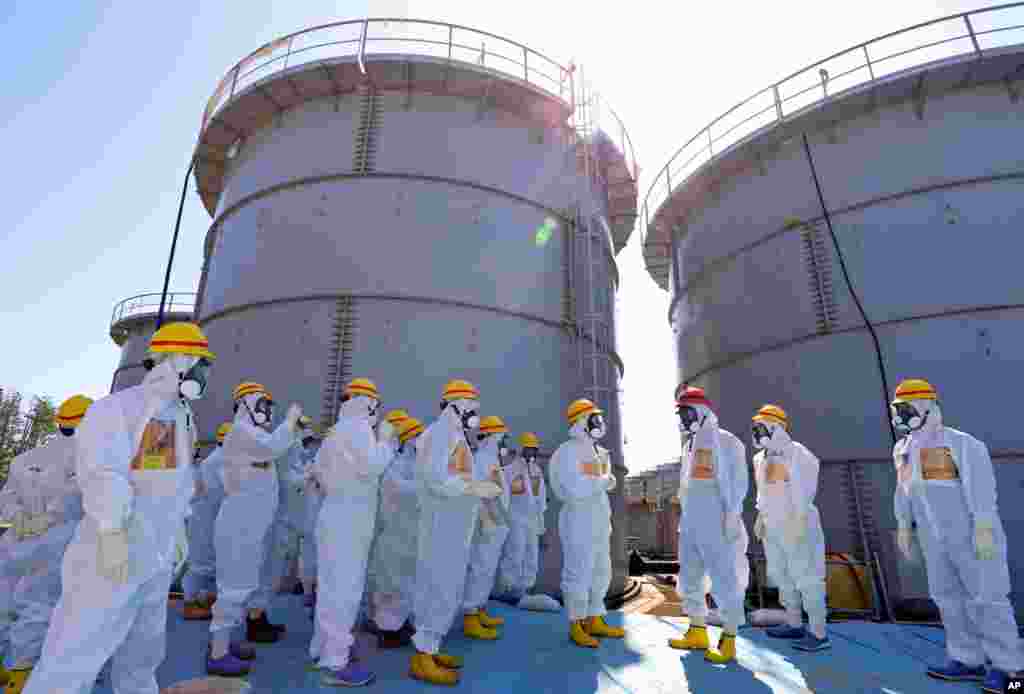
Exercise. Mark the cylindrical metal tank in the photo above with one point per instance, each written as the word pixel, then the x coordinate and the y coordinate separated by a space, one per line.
pixel 133 322
pixel 915 140
pixel 413 216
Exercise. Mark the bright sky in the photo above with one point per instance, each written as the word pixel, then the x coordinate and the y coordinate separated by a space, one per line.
pixel 102 109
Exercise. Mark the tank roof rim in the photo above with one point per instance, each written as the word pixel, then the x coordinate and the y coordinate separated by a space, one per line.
pixel 654 249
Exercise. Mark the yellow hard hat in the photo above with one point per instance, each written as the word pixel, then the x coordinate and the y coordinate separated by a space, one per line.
pixel 71 411
pixel 362 386
pixel 772 414
pixel 460 390
pixel 529 440
pixel 915 389
pixel 222 431
pixel 181 338
pixel 410 428
pixel 396 417
pixel 581 408
pixel 250 388
pixel 492 425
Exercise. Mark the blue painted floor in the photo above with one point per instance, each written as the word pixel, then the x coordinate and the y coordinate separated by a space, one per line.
pixel 534 656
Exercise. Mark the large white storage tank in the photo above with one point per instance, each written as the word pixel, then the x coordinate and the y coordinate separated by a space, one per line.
pixel 413 202
pixel 916 140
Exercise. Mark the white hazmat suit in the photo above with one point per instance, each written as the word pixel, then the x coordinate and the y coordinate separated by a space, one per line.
pixel 448 514
pixel 44 505
pixel 713 540
pixel 794 543
pixel 349 465
pixel 491 528
pixel 314 495
pixel 520 558
pixel 392 570
pixel 246 514
pixel 134 457
pixel 946 484
pixel 282 546
pixel 201 579
pixel 581 477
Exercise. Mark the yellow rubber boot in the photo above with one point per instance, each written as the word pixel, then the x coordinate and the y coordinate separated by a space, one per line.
pixel 579 635
pixel 695 639
pixel 423 667
pixel 489 621
pixel 4 675
pixel 725 652
pixel 17 679
pixel 472 628
pixel 452 662
pixel 596 626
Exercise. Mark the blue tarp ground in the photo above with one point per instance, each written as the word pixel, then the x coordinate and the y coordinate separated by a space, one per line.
pixel 534 656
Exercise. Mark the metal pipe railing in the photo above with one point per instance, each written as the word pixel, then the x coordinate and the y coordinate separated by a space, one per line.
pixel 146 304
pixel 711 146
pixel 532 67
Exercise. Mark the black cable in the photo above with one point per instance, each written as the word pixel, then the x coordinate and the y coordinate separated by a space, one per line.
pixel 849 286
pixel 174 245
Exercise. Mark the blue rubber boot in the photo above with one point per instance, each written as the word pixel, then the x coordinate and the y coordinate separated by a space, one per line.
pixel 955 671
pixel 995 682
pixel 812 643
pixel 228 666
pixel 785 631
pixel 352 675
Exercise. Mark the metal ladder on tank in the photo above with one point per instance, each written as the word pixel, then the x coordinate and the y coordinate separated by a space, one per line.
pixel 593 329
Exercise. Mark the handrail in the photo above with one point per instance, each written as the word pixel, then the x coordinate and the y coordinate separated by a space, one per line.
pixel 663 180
pixel 145 304
pixel 532 67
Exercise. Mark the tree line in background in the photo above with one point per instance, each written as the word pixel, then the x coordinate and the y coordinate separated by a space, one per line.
pixel 23 425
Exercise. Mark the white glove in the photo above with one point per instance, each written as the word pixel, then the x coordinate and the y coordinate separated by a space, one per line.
pixel 984 541
pixel 539 523
pixel 759 527
pixel 733 526
pixel 112 555
pixel 796 529
pixel 484 489
pixel 905 541
pixel 385 431
pixel 292 416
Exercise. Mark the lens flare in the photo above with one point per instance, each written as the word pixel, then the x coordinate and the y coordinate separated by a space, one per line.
pixel 545 231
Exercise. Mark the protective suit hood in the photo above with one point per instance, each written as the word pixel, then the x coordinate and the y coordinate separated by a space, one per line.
pixel 359 407
pixel 245 413
pixel 161 382
pixel 927 423
pixel 779 442
pixel 581 431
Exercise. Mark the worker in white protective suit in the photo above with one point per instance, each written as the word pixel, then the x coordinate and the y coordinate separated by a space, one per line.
pixel 349 465
pixel 282 542
pixel 581 477
pixel 713 483
pixel 43 504
pixel 200 583
pixel 245 519
pixel 133 456
pixel 789 526
pixel 492 528
pixel 517 570
pixel 392 567
pixel 314 497
pixel 449 504
pixel 946 487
